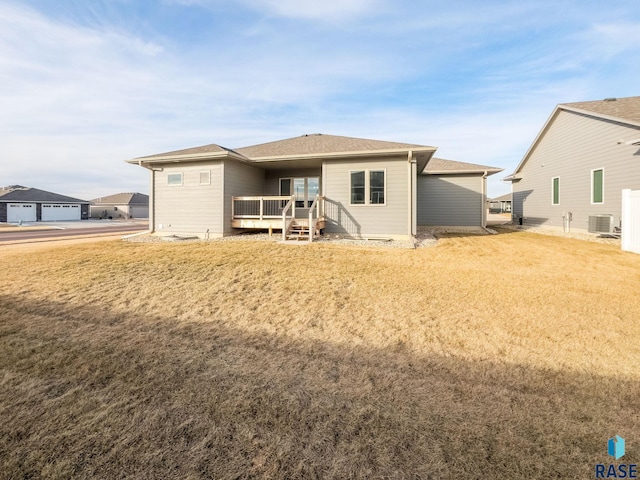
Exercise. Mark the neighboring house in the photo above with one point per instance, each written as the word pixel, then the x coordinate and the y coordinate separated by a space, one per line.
pixel 120 205
pixel 351 186
pixel 24 204
pixel 578 165
pixel 500 204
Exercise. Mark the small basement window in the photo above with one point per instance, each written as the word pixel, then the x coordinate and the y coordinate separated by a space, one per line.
pixel 174 179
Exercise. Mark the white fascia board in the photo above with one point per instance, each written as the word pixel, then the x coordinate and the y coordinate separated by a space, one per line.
pixel 189 157
pixel 335 155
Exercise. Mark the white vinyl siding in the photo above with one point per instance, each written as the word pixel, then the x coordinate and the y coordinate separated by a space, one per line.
pixel 390 219
pixel 193 208
pixel 240 180
pixel 450 200
pixel 572 147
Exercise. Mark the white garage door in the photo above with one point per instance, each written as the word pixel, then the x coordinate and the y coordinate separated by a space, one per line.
pixel 60 211
pixel 17 212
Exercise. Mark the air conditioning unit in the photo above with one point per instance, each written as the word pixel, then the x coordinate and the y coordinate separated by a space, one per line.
pixel 601 223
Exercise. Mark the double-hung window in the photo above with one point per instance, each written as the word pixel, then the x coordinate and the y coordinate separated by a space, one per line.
pixel 368 187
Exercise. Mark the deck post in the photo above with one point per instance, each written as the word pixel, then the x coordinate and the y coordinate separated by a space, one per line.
pixel 261 207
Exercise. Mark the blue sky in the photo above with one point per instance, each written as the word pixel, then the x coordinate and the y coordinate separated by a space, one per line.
pixel 87 84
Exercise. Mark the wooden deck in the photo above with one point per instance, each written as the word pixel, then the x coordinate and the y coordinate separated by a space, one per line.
pixel 279 213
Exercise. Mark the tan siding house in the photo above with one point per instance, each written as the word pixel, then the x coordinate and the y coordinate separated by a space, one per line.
pixel 307 185
pixel 452 193
pixel 583 158
pixel 388 218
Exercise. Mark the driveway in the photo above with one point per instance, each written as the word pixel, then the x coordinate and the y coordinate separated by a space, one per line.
pixel 48 231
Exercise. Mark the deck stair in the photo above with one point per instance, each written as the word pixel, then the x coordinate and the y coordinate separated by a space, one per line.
pixel 299 230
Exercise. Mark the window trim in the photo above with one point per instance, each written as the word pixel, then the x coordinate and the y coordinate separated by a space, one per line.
pixel 553 192
pixel 367 187
pixel 601 169
pixel 175 184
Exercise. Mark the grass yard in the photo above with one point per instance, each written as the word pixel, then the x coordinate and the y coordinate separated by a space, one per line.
pixel 507 356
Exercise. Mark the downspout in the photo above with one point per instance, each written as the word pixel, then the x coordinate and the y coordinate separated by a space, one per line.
pixel 409 194
pixel 484 199
pixel 414 196
pixel 152 216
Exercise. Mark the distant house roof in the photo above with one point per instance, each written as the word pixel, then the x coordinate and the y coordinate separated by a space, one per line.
pixel 18 193
pixel 442 166
pixel 122 199
pixel 623 110
pixel 503 198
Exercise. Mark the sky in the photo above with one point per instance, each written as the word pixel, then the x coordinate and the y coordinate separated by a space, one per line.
pixel 88 84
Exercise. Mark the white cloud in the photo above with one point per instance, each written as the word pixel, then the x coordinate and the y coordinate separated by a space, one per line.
pixel 328 10
pixel 78 98
pixel 314 9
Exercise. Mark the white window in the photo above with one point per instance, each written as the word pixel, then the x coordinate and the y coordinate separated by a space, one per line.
pixel 205 178
pixel 174 179
pixel 368 187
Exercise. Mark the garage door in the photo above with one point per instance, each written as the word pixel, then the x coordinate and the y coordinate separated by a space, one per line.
pixel 17 212
pixel 60 211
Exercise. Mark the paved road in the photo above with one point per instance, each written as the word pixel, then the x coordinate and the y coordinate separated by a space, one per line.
pixel 44 235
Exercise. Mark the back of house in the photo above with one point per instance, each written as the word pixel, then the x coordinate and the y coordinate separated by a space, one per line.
pixel 354 187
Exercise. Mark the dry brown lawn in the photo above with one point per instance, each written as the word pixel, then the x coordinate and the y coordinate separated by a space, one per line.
pixel 507 356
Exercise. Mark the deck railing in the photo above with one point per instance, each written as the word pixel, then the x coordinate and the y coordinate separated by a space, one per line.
pixel 318 207
pixel 286 219
pixel 260 207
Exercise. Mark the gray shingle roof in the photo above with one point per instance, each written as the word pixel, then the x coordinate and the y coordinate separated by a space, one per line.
pixel 623 108
pixel 440 165
pixel 318 144
pixel 18 193
pixel 122 199
pixel 503 198
pixel 204 149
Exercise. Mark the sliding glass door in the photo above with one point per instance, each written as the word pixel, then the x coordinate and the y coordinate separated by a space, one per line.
pixel 304 189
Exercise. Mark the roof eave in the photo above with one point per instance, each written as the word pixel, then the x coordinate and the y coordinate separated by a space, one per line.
pixel 489 171
pixel 604 116
pixel 189 157
pixel 337 155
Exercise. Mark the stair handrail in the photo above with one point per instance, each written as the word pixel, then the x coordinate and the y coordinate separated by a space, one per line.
pixel 286 208
pixel 312 224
